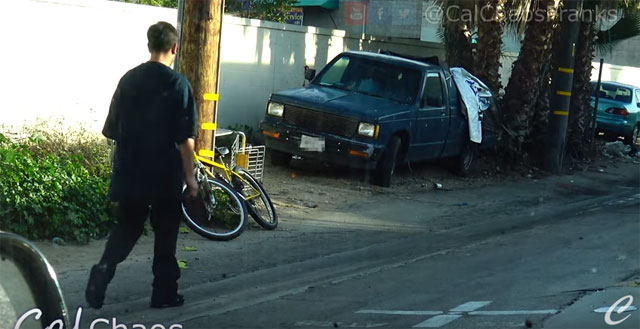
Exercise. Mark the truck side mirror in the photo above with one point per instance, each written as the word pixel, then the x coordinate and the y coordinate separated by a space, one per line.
pixel 309 74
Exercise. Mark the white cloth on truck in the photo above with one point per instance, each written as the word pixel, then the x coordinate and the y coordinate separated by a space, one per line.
pixel 476 97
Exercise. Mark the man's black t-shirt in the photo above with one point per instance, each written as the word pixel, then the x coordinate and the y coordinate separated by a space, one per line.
pixel 152 112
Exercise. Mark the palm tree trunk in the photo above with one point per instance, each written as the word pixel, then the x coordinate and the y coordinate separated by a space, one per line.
pixel 523 87
pixel 487 60
pixel 580 112
pixel 540 119
pixel 457 37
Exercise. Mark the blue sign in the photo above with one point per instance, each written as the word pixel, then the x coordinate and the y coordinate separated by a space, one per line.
pixel 295 16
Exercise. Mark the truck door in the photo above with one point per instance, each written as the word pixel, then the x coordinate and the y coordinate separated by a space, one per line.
pixel 432 121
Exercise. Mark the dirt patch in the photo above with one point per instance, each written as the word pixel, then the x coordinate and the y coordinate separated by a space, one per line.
pixel 306 185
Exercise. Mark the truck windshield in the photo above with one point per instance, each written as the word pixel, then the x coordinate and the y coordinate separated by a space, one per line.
pixel 371 77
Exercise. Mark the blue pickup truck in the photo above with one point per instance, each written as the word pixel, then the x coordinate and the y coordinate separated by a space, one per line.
pixel 372 111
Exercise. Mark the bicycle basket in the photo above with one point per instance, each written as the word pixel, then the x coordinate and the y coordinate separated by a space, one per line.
pixel 252 160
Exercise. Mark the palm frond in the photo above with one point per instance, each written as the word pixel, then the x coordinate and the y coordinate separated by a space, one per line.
pixel 518 12
pixel 627 27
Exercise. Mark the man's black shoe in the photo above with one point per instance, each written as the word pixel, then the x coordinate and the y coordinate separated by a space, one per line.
pixel 178 300
pixel 97 285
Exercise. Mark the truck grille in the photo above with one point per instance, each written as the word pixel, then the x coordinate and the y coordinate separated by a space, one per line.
pixel 320 121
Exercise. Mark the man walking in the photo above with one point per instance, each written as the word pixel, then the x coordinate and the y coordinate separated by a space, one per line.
pixel 153 119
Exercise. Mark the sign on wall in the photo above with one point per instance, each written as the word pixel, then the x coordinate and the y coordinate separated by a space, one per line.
pixel 380 13
pixel 432 14
pixel 404 14
pixel 355 13
pixel 295 16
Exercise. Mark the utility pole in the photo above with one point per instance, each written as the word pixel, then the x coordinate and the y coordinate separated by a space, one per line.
pixel 562 87
pixel 199 60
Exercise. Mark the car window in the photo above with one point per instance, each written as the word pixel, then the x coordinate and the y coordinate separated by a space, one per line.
pixel 372 77
pixel 433 92
pixel 614 92
pixel 638 97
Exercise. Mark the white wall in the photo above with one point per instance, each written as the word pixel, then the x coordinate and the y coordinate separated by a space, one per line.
pixel 65 57
pixel 623 74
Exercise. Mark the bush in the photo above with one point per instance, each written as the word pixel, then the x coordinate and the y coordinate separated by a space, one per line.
pixel 54 184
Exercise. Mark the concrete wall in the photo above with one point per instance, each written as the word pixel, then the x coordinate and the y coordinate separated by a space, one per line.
pixel 65 57
pixel 623 74
pixel 625 53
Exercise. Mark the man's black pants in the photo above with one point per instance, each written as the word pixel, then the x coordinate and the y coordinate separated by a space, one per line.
pixel 165 220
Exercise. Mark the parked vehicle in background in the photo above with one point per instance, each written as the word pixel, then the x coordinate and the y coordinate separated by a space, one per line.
pixel 618 110
pixel 30 295
pixel 372 111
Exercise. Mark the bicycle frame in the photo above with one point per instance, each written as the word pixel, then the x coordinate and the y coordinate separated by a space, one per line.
pixel 225 173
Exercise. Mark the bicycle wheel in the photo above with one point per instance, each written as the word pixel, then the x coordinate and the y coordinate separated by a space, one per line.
pixel 259 205
pixel 217 213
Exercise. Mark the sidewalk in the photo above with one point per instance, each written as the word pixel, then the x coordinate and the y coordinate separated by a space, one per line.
pixel 590 311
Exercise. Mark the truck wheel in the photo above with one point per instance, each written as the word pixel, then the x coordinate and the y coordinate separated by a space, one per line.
pixel 465 159
pixel 387 165
pixel 280 158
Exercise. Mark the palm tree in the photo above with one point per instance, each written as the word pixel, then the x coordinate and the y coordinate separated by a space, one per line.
pixel 489 49
pixel 523 88
pixel 456 32
pixel 580 114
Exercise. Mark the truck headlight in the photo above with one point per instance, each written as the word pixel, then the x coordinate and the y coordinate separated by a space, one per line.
pixel 275 109
pixel 366 129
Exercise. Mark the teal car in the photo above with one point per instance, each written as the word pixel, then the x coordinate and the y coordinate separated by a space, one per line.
pixel 618 110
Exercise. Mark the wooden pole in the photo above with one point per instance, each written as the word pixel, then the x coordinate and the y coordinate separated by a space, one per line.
pixel 200 61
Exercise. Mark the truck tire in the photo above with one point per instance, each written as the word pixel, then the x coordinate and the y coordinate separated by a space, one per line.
pixel 464 162
pixel 279 158
pixel 387 165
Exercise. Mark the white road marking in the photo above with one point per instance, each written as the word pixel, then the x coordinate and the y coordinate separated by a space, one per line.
pixel 469 306
pixel 616 309
pixel 513 312
pixel 400 312
pixel 437 321
pixel 328 324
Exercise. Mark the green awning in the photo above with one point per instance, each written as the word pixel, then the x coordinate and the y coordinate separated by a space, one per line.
pixel 328 4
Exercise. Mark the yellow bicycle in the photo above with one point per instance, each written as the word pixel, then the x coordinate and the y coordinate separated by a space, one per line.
pixel 225 196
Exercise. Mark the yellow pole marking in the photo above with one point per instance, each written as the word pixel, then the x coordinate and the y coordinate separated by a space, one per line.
pixel 209 126
pixel 211 97
pixel 565 70
pixel 206 153
pixel 563 93
pixel 563 113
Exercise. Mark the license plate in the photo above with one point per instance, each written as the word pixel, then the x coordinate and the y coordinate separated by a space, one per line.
pixel 312 144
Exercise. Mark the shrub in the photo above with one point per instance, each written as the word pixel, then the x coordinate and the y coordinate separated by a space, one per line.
pixel 54 184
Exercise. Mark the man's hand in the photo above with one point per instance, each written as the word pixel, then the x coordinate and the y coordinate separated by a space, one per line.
pixel 192 188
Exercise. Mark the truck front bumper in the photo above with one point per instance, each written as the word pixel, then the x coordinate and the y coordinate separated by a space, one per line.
pixel 338 150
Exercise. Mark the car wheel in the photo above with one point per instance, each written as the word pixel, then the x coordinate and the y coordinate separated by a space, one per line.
pixel 387 165
pixel 280 158
pixel 632 139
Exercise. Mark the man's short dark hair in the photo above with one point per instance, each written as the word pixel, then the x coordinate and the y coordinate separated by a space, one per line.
pixel 161 36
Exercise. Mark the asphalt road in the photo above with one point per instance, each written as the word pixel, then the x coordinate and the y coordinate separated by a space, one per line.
pixel 541 254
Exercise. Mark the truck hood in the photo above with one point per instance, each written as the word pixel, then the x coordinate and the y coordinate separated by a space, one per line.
pixel 340 102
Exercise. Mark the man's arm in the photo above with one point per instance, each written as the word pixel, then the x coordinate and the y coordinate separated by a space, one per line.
pixel 186 152
pixel 111 127
pixel 187 130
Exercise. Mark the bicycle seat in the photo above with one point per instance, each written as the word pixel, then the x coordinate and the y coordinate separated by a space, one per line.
pixel 222 151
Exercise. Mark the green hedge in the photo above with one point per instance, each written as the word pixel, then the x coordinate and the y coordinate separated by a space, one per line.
pixel 54 184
